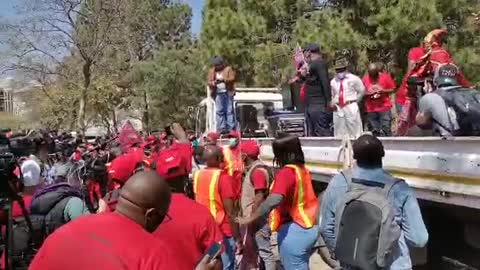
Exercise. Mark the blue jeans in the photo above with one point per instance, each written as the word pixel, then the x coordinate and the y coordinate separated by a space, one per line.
pixel 265 249
pixel 295 245
pixel 380 123
pixel 228 257
pixel 224 111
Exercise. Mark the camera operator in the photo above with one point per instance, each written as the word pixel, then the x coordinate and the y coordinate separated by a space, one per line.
pixel 449 110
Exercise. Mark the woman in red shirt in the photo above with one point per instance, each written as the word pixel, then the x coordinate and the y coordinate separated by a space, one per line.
pixel 292 204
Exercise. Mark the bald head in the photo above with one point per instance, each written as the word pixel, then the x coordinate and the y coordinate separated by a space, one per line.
pixel 145 198
pixel 373 70
pixel 212 155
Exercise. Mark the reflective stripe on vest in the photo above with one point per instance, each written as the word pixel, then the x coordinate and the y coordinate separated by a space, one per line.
pixel 274 216
pixel 232 162
pixel 305 204
pixel 205 187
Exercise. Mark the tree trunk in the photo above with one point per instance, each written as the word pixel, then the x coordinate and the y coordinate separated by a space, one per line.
pixel 146 113
pixel 83 97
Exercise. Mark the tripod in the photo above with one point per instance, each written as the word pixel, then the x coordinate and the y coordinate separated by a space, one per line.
pixel 7 206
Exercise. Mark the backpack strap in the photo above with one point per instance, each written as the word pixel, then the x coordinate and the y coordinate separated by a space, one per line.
pixel 389 184
pixel 348 176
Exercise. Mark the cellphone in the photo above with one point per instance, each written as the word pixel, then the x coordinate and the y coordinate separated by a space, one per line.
pixel 214 250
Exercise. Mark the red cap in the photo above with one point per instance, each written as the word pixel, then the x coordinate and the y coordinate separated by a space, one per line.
pixel 415 54
pixel 122 168
pixel 214 136
pixel 151 138
pixel 234 134
pixel 250 148
pixel 170 164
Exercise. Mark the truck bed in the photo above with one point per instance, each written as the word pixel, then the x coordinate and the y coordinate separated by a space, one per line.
pixel 440 170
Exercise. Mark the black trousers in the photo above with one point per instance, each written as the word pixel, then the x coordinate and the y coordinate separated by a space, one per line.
pixel 318 121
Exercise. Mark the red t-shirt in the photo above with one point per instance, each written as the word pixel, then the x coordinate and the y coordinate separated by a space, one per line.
pixel 414 55
pixel 284 184
pixel 190 228
pixel 225 188
pixel 259 179
pixel 108 241
pixel 382 103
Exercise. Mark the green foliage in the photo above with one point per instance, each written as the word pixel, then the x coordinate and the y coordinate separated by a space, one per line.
pixel 174 81
pixel 233 34
pixel 273 64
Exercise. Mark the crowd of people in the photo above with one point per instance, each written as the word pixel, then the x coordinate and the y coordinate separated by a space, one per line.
pixel 348 104
pixel 167 203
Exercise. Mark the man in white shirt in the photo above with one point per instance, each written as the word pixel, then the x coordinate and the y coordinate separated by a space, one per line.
pixel 347 91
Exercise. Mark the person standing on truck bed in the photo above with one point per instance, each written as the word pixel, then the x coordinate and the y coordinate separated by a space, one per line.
pixel 317 94
pixel 347 91
pixel 378 106
pixel 221 82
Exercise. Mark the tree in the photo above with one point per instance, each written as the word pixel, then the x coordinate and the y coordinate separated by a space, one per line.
pixel 174 81
pixel 233 34
pixel 53 29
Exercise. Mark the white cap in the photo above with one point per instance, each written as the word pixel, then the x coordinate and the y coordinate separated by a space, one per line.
pixel 31 173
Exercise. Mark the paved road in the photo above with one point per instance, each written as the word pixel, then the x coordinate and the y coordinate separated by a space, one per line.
pixel 316 263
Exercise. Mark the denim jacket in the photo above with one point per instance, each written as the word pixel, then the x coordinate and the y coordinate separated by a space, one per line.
pixel 402 197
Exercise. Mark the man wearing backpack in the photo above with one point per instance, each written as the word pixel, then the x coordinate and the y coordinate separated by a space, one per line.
pixel 354 206
pixel 450 110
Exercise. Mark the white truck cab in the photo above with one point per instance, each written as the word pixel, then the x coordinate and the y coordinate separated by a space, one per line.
pixel 252 108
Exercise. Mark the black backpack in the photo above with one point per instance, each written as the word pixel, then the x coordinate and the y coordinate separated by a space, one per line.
pixel 466 104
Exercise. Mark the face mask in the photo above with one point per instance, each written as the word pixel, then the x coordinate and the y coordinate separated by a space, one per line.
pixel 342 75
pixel 233 142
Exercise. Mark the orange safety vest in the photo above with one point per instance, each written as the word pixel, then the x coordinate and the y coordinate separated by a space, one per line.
pixel 205 187
pixel 304 208
pixel 233 160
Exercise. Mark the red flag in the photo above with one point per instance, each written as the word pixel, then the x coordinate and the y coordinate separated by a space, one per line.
pixel 128 136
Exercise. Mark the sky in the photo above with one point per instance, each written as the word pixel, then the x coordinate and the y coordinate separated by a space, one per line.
pixel 7 9
pixel 197 6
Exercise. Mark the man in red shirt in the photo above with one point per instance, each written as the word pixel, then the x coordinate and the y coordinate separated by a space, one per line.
pixel 224 203
pixel 414 55
pixel 378 106
pixel 118 240
pixel 120 170
pixel 255 186
pixel 190 226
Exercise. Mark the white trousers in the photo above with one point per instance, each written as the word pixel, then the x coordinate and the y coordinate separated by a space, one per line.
pixel 347 122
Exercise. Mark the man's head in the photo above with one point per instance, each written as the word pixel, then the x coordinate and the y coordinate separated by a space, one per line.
pixel 313 49
pixel 445 76
pixel 250 151
pixel 368 151
pixel 122 168
pixel 174 166
pixel 145 198
pixel 233 138
pixel 212 155
pixel 31 174
pixel 218 63
pixel 373 71
pixel 211 138
pixel 341 64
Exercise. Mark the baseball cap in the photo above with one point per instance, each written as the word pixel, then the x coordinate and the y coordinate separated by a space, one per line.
pixel 122 168
pixel 250 148
pixel 313 47
pixel 31 173
pixel 446 75
pixel 170 164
